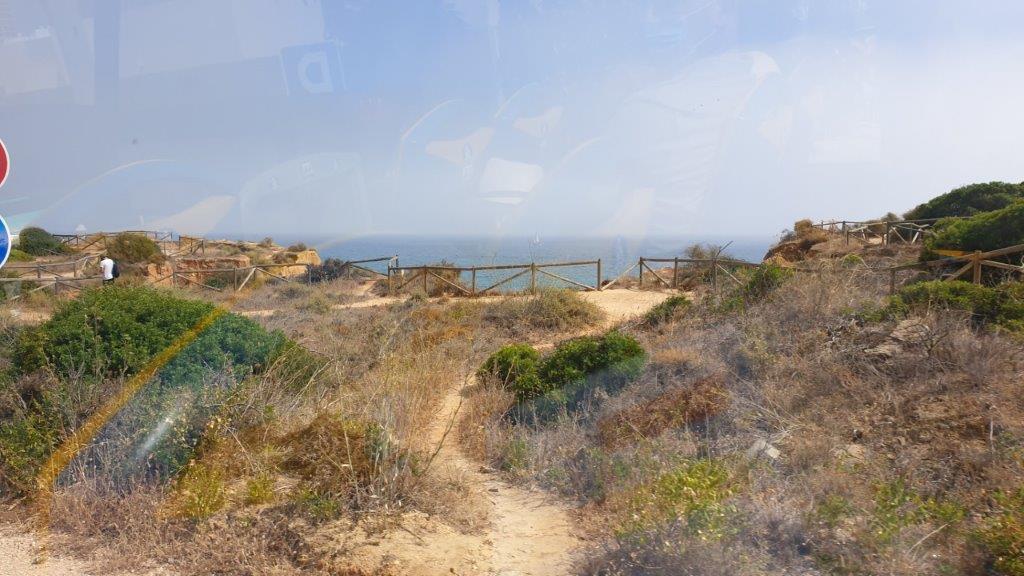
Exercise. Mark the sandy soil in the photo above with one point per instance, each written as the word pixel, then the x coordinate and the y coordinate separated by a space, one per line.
pixel 526 533
pixel 619 304
pixel 20 557
pixel 622 304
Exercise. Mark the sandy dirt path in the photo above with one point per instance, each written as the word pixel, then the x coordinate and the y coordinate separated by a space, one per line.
pixel 19 556
pixel 529 533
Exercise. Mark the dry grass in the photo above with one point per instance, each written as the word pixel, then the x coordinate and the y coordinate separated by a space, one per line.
pixel 295 452
pixel 884 462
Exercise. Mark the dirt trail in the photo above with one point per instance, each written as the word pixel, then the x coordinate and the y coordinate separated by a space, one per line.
pixel 19 556
pixel 529 533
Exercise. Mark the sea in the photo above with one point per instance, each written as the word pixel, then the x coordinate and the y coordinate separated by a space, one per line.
pixel 617 254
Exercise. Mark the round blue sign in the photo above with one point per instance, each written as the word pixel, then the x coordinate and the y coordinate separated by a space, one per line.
pixel 5 241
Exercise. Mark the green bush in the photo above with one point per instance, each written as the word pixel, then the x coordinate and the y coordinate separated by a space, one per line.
pixel 764 279
pixel 511 362
pixel 39 242
pixel 969 200
pixel 112 332
pixel 666 310
pixel 19 256
pixel 1002 305
pixel 608 362
pixel 131 248
pixel 614 357
pixel 987 231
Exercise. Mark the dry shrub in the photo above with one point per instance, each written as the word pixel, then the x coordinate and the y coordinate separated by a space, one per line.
pixel 673 408
pixel 344 459
pixel 481 426
pixel 550 309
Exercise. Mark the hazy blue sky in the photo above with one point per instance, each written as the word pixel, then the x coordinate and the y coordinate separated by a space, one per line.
pixel 495 117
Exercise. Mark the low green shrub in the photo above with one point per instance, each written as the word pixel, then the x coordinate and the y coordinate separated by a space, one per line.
pixel 985 231
pixel 694 494
pixel 760 282
pixel 132 248
pixel 969 200
pixel 764 279
pixel 576 365
pixel 19 256
pixel 511 362
pixel 666 310
pixel 1002 535
pixel 851 261
pixel 1002 305
pixel 38 242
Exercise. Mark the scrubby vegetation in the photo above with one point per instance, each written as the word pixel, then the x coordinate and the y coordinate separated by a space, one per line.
pixel 985 231
pixel 969 200
pixel 66 369
pixel 38 242
pixel 667 310
pixel 19 256
pixel 132 248
pixel 550 309
pixel 1001 305
pixel 573 369
pixel 725 454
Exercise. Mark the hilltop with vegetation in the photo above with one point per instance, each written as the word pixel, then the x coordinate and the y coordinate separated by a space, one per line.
pixel 836 409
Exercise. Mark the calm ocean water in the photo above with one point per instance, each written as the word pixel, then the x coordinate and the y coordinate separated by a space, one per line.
pixel 616 254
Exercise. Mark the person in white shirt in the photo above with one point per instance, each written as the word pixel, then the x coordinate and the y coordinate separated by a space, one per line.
pixel 107 266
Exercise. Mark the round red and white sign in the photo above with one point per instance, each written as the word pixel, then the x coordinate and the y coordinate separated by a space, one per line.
pixel 5 163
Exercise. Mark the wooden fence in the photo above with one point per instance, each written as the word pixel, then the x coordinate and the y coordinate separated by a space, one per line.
pixel 45 270
pixel 889 232
pixel 168 245
pixel 713 266
pixel 401 276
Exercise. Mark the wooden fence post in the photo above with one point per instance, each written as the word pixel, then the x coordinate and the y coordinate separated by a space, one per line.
pixel 391 286
pixel 714 274
pixel 533 277
pixel 641 271
pixel 598 285
pixel 675 272
pixel 472 282
pixel 976 260
pixel 425 274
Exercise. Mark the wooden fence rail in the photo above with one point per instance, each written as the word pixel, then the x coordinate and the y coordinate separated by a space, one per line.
pixel 401 276
pixel 890 232
pixel 75 268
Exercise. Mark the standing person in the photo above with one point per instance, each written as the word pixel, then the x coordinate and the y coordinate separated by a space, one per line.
pixel 107 266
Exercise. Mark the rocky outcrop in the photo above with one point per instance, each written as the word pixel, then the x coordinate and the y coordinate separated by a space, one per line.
pixel 293 263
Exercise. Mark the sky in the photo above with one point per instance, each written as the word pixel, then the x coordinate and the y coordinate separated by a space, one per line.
pixel 533 117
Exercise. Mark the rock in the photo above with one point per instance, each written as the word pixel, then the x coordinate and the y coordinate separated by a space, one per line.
pixel 911 331
pixel 885 350
pixel 854 451
pixel 761 446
